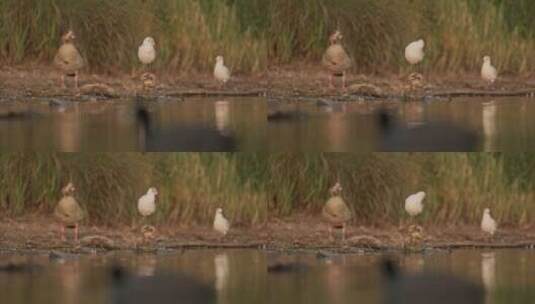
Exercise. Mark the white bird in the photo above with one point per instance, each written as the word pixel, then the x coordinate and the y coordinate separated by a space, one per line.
pixel 488 224
pixel 146 204
pixel 221 224
pixel 488 71
pixel 146 52
pixel 414 52
pixel 413 203
pixel 221 72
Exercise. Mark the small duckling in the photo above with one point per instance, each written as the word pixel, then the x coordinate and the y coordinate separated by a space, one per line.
pixel 68 58
pixel 336 211
pixel 148 80
pixel 68 211
pixel 336 59
pixel 221 224
pixel 221 72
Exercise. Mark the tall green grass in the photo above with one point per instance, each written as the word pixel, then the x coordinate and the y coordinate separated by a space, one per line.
pixel 255 187
pixel 189 35
pixel 254 34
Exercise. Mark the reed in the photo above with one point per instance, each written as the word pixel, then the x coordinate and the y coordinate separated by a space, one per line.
pixel 254 34
pixel 256 187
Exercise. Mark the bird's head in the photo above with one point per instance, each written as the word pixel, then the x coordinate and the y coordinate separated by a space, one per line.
pixel 69 36
pixel 335 37
pixel 153 191
pixel 421 43
pixel 149 41
pixel 219 211
pixel 486 211
pixel 69 189
pixel 219 59
pixel 486 59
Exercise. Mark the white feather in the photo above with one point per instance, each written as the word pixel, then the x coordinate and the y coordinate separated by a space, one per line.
pixel 488 224
pixel 221 72
pixel 146 52
pixel 146 205
pixel 221 224
pixel 414 52
pixel 488 71
pixel 413 203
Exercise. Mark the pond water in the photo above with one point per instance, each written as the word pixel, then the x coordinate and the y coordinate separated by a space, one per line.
pixel 460 125
pixel 495 125
pixel 113 126
pixel 240 276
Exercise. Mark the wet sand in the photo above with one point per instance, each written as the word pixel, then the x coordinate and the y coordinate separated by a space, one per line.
pixel 40 233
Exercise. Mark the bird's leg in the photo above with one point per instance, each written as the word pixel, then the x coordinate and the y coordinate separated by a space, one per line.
pixel 331 86
pixel 63 85
pixel 63 233
pixel 344 80
pixel 343 232
pixel 331 233
pixel 76 80
pixel 76 232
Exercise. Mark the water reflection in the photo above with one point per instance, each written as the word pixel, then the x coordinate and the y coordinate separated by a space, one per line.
pixel 488 274
pixel 489 125
pixel 221 271
pixel 112 126
pixel 500 125
pixel 508 277
pixel 222 116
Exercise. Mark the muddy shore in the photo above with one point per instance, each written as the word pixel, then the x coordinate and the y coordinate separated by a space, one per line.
pixel 279 83
pixel 39 233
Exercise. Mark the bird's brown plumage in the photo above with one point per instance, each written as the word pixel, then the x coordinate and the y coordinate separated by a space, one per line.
pixel 336 211
pixel 336 59
pixel 68 58
pixel 68 211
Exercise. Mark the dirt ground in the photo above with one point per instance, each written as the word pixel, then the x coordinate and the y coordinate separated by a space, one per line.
pixel 38 232
pixel 45 81
pixel 39 80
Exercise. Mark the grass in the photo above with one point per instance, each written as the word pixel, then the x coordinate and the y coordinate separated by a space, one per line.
pixel 254 34
pixel 255 187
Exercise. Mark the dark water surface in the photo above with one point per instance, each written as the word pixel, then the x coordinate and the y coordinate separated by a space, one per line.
pixel 240 276
pixel 498 125
pixel 112 126
pixel 313 125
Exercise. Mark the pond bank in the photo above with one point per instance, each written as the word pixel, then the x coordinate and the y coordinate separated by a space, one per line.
pixel 280 83
pixel 38 233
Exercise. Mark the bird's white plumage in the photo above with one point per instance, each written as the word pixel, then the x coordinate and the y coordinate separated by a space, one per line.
pixel 221 72
pixel 413 203
pixel 414 52
pixel 488 224
pixel 221 224
pixel 146 205
pixel 488 71
pixel 146 51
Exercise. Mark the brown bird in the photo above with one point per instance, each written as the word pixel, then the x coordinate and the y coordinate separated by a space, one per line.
pixel 336 211
pixel 336 59
pixel 68 211
pixel 68 59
